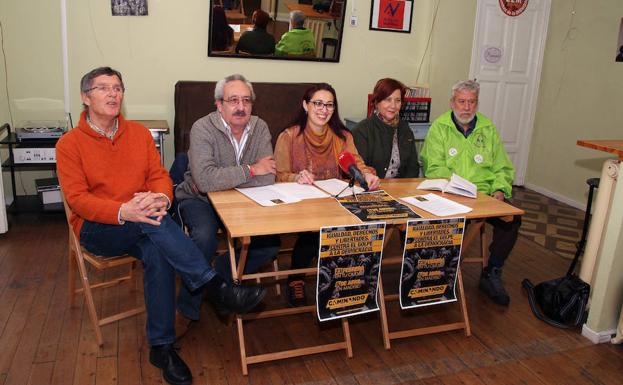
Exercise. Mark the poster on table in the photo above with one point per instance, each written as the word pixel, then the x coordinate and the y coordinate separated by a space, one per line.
pixel 349 265
pixel 376 206
pixel 430 261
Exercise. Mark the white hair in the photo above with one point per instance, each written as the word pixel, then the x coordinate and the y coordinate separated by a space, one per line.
pixel 219 89
pixel 466 85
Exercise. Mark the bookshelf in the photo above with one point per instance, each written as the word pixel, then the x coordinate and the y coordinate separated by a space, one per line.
pixel 414 109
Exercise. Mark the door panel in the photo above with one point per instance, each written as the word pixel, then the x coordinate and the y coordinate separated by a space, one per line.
pixel 507 57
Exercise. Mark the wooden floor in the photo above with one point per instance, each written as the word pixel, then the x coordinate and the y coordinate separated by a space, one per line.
pixel 43 341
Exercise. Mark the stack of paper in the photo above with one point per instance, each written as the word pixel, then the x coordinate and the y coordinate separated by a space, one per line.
pixel 437 205
pixel 281 193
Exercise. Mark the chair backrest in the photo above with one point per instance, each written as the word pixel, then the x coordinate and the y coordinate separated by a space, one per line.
pixel 68 211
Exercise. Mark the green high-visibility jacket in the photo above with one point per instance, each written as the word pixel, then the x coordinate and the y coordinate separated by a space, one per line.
pixel 479 158
pixel 296 42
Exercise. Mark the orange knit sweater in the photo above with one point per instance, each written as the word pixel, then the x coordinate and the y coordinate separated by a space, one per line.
pixel 97 174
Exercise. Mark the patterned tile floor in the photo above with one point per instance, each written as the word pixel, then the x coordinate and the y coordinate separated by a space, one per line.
pixel 548 222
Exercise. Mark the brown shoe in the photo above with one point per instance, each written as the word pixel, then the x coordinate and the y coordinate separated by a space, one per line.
pixel 182 325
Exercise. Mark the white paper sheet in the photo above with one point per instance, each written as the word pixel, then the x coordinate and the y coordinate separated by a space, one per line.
pixel 334 186
pixel 301 191
pixel 281 193
pixel 437 205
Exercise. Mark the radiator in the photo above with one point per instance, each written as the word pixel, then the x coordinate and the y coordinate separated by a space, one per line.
pixel 316 26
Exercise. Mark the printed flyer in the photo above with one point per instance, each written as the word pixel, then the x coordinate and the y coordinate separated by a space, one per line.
pixel 376 206
pixel 430 261
pixel 348 270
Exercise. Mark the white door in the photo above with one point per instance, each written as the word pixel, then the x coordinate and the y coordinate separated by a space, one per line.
pixel 507 55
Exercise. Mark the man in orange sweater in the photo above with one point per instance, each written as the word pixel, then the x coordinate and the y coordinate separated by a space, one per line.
pixel 110 172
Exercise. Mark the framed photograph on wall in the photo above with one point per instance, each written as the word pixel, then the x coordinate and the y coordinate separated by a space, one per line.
pixel 391 15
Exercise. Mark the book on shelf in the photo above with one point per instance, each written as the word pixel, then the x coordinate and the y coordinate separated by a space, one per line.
pixel 456 185
pixel 417 92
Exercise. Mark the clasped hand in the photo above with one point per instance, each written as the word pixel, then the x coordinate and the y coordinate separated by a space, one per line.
pixel 266 165
pixel 146 207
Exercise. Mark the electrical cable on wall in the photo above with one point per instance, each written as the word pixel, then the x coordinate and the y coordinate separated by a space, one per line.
pixel 430 34
pixel 563 48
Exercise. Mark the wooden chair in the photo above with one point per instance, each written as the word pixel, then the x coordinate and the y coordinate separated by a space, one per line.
pixel 236 15
pixel 77 258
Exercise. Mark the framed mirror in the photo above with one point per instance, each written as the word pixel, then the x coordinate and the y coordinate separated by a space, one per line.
pixel 248 29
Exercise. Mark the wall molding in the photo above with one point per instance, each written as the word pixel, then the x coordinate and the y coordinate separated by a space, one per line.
pixel 558 197
pixel 598 337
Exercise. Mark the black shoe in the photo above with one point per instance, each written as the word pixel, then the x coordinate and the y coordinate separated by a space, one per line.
pixel 232 298
pixel 491 285
pixel 296 293
pixel 174 369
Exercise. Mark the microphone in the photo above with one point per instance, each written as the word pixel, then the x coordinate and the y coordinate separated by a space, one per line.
pixel 348 164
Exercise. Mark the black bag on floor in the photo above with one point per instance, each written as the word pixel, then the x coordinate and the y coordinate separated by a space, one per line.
pixel 560 302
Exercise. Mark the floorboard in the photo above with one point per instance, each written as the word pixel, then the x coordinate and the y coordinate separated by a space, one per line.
pixel 44 341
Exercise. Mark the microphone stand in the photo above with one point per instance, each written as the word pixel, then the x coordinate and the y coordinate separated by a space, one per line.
pixel 351 184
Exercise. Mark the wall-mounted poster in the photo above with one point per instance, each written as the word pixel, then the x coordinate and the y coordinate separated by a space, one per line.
pixel 391 15
pixel 128 7
pixel 619 56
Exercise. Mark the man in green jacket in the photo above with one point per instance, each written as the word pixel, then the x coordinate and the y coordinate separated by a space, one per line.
pixel 465 142
pixel 298 40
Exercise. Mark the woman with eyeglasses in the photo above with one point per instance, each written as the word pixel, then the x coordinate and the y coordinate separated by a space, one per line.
pixel 384 141
pixel 308 151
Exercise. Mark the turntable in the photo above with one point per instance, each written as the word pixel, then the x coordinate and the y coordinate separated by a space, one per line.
pixel 38 130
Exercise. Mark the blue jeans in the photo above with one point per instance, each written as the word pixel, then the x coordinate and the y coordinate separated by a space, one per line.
pixel 164 250
pixel 203 223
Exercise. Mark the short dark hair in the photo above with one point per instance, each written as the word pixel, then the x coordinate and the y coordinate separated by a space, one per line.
pixel 86 83
pixel 386 87
pixel 260 19
pixel 335 123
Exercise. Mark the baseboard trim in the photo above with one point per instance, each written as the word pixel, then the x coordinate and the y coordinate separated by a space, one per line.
pixel 558 197
pixel 598 337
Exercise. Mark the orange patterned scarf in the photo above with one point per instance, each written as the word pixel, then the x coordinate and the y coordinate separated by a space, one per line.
pixel 317 153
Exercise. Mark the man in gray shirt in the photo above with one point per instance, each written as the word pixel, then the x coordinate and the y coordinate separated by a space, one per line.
pixel 228 148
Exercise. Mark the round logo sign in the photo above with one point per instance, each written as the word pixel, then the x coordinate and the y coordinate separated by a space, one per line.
pixel 513 7
pixel 492 55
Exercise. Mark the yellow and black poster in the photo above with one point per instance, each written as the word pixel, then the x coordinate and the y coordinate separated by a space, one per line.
pixel 430 261
pixel 348 270
pixel 376 206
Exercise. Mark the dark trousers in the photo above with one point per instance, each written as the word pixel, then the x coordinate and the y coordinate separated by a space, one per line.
pixel 305 250
pixel 504 238
pixel 203 223
pixel 163 250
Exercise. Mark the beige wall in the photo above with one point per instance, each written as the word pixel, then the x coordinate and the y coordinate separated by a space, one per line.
pixel 580 96
pixel 451 47
pixel 170 44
